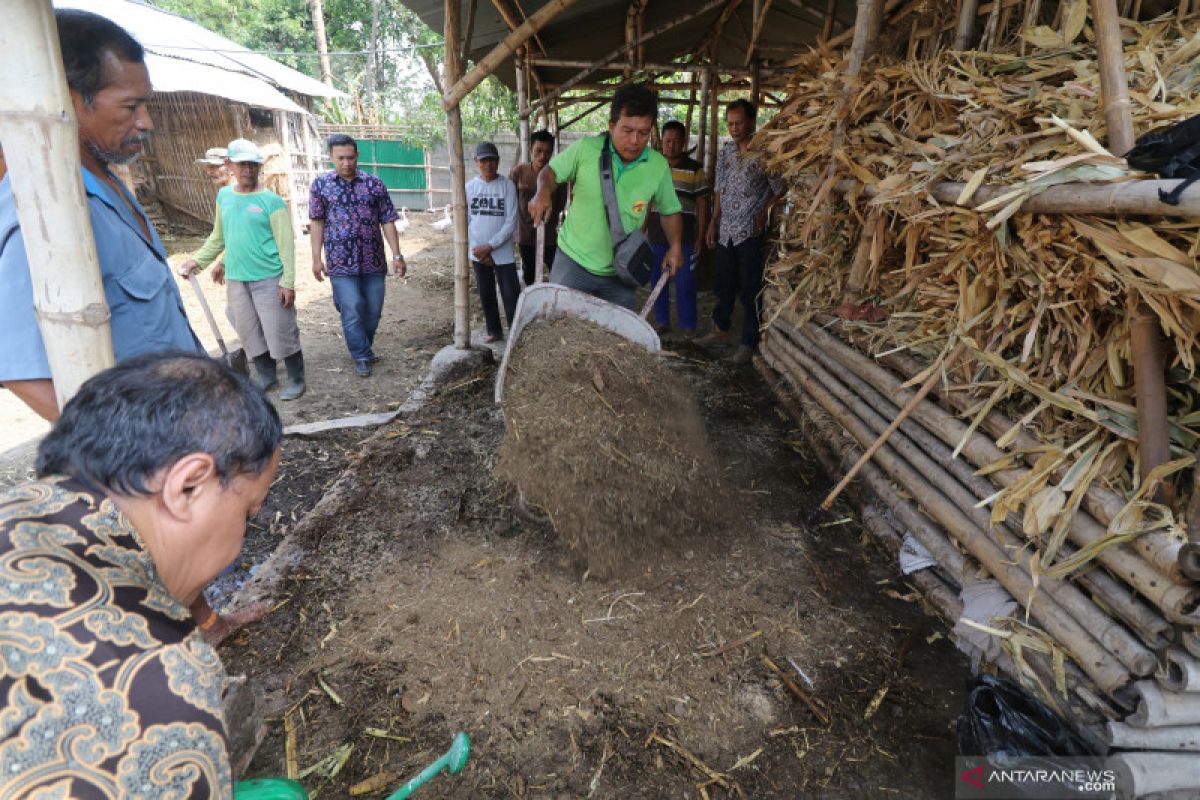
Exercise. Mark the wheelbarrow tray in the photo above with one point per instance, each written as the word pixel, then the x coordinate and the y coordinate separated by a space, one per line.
pixel 549 301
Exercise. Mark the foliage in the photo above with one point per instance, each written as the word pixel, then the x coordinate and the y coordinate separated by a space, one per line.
pixel 405 93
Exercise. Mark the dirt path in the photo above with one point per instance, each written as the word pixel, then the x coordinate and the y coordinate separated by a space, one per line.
pixel 425 606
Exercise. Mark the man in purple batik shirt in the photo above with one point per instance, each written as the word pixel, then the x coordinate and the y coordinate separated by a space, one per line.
pixel 347 208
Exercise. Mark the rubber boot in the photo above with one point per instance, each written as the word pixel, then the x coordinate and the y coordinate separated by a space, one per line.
pixel 295 371
pixel 265 376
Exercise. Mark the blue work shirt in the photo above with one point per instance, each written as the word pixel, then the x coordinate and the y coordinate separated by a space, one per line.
pixel 147 310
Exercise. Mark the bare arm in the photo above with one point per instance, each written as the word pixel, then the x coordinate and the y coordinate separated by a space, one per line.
pixel 672 225
pixel 316 239
pixel 542 202
pixel 701 221
pixel 399 265
pixel 38 395
pixel 710 238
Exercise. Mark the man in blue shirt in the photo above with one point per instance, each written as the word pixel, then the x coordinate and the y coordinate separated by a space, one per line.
pixel 109 87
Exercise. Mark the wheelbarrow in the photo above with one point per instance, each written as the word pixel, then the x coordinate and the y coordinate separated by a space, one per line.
pixel 453 760
pixel 549 301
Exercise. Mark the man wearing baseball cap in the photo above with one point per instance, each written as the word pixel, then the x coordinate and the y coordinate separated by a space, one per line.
pixel 215 166
pixel 492 206
pixel 254 229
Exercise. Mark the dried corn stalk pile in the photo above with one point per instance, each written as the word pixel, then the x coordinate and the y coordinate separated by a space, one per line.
pixel 1029 457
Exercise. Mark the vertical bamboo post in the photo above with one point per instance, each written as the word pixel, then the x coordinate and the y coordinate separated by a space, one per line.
pixel 428 180
pixel 755 85
pixel 714 128
pixel 966 24
pixel 37 120
pixel 827 28
pixel 522 106
pixel 452 71
pixel 1145 336
pixel 691 105
pixel 703 115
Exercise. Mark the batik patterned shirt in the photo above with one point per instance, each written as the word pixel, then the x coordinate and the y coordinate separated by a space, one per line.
pixel 352 212
pixel 107 688
pixel 744 188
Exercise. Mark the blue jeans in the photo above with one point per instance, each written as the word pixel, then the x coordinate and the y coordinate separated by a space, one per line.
pixel 685 289
pixel 359 300
pixel 740 274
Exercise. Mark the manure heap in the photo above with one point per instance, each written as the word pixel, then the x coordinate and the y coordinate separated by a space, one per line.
pixel 603 438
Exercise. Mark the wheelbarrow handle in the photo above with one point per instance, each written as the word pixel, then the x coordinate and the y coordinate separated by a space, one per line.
pixel 658 289
pixel 208 313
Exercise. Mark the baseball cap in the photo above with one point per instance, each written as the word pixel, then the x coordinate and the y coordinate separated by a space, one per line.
pixel 244 150
pixel 214 156
pixel 486 150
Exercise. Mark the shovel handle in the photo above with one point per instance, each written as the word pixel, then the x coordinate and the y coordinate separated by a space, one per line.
pixel 658 289
pixel 208 313
pixel 540 257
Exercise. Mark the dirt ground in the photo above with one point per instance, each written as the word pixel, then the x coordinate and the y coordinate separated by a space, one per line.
pixel 426 605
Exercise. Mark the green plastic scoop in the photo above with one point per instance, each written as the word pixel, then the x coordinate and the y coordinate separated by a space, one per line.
pixel 454 760
pixel 283 789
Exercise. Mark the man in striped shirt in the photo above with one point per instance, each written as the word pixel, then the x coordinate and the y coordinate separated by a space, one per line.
pixel 691 187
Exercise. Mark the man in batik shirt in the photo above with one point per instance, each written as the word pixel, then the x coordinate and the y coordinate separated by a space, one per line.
pixel 347 208
pixel 108 687
pixel 744 196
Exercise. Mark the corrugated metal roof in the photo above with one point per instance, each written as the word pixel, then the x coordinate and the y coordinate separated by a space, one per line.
pixel 590 29
pixel 184 56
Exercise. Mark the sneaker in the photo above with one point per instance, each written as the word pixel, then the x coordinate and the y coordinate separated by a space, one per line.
pixel 363 368
pixel 715 336
pixel 744 355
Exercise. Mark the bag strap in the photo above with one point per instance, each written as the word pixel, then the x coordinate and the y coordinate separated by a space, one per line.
pixel 609 185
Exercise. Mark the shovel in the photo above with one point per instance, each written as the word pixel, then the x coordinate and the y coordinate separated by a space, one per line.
pixel 539 270
pixel 235 360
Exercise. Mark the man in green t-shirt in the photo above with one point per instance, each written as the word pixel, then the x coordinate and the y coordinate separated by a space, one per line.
pixel 254 229
pixel 642 177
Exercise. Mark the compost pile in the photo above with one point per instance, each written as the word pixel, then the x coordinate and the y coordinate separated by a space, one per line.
pixel 1025 453
pixel 608 443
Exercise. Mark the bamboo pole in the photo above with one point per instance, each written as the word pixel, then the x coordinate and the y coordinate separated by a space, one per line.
pixel 827 28
pixel 522 107
pixel 458 184
pixel 667 67
pixel 1150 626
pixel 653 33
pixel 37 122
pixel 714 129
pixel 472 7
pixel 761 8
pixel 966 24
pixel 501 52
pixel 1177 602
pixel 1112 636
pixel 1100 665
pixel 702 133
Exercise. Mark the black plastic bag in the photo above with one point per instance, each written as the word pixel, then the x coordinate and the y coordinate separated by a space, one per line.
pixel 1171 152
pixel 1001 719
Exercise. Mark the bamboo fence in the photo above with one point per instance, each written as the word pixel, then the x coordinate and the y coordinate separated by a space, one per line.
pixel 1021 465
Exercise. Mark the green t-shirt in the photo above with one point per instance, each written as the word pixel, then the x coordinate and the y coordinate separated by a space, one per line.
pixel 255 231
pixel 585 236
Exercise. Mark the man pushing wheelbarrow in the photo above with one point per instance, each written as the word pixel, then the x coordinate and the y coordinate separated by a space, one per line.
pixel 601 248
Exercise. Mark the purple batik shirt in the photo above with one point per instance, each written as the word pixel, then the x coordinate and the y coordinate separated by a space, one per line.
pixel 352 212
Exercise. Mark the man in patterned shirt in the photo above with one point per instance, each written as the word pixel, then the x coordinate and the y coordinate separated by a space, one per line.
pixel 743 199
pixel 145 485
pixel 347 208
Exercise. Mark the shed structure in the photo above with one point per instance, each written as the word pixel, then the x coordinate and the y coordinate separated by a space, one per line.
pixel 1120 606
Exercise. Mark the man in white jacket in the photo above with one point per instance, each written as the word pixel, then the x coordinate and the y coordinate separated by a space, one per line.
pixel 492 204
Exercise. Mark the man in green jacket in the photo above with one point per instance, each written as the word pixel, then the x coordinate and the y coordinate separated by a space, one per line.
pixel 254 229
pixel 642 177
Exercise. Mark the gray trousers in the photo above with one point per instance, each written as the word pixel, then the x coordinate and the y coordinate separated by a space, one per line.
pixel 261 323
pixel 566 272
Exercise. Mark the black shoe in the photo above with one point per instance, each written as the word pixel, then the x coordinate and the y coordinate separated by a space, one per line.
pixel 374 359
pixel 363 367
pixel 265 372
pixel 295 370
